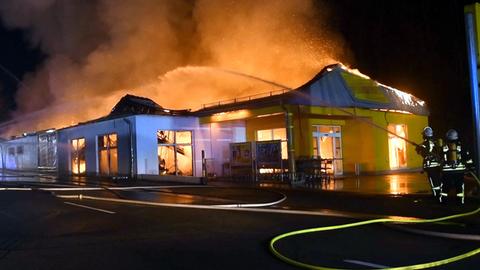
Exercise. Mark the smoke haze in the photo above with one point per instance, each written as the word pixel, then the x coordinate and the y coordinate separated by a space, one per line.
pixel 101 50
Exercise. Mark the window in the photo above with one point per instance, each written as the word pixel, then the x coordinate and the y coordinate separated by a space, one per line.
pixel 47 150
pixel 77 156
pixel 275 134
pixel 11 151
pixel 108 154
pixel 20 150
pixel 397 147
pixel 174 149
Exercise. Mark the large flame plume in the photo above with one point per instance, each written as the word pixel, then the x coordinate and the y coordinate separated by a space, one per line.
pixel 100 50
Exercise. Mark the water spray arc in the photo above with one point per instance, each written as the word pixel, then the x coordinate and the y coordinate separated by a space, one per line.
pixel 322 102
pixel 233 72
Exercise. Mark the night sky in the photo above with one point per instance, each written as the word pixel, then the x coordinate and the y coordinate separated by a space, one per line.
pixel 17 58
pixel 416 46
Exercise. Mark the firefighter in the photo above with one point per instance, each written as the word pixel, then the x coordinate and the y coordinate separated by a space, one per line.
pixel 430 151
pixel 454 167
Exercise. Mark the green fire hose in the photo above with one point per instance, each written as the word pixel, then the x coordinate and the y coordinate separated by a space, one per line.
pixel 293 262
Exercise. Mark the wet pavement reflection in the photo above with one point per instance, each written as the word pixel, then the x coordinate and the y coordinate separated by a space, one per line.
pixel 394 184
pixel 180 195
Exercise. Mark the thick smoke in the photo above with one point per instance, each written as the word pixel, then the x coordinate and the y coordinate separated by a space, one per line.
pixel 101 50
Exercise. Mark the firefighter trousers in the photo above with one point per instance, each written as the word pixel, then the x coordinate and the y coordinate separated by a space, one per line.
pixel 452 180
pixel 434 175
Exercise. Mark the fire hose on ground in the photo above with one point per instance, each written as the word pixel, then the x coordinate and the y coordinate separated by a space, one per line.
pixel 296 263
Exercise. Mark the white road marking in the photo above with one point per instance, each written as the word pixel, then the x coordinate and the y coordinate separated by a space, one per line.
pixel 373 265
pixel 458 236
pixel 91 208
pixel 16 189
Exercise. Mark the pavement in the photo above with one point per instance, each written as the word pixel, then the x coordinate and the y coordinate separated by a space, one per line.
pixel 41 227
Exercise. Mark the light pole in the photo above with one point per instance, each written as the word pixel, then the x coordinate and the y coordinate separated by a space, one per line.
pixel 471 17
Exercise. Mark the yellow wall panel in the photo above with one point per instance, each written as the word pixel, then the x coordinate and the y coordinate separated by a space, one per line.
pixel 362 142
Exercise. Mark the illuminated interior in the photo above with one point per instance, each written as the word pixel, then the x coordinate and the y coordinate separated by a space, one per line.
pixel 232 115
pixel 397 147
pixel 78 156
pixel 327 144
pixel 275 134
pixel 175 153
pixel 108 154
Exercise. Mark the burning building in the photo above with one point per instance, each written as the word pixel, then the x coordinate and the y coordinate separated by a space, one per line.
pixel 340 115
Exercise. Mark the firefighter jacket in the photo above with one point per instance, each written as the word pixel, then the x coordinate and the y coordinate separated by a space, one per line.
pixel 431 153
pixel 454 159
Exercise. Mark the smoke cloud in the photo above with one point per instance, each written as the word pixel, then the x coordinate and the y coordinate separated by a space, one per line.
pixel 101 50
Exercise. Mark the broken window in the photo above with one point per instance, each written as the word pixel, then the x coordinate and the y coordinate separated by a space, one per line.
pixel 77 156
pixel 108 154
pixel 47 150
pixel 175 152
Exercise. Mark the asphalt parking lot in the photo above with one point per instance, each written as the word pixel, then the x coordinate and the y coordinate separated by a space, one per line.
pixel 45 225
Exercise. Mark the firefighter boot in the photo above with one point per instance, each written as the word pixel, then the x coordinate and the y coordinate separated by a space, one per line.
pixel 443 195
pixel 461 194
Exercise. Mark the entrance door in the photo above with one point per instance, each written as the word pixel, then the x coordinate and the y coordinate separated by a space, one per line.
pixel 77 156
pixel 327 144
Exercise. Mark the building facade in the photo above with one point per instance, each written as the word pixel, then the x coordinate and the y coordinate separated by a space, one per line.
pixel 340 115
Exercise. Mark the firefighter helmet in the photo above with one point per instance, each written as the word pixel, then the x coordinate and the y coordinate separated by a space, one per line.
pixel 427 132
pixel 452 135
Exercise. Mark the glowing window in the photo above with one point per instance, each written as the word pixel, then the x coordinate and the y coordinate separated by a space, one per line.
pixel 175 152
pixel 108 154
pixel 275 134
pixel 397 147
pixel 77 156
pixel 264 135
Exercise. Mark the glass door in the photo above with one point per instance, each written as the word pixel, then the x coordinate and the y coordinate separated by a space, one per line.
pixel 77 156
pixel 327 144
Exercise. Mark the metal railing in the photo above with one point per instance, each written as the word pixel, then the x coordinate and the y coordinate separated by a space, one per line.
pixel 245 98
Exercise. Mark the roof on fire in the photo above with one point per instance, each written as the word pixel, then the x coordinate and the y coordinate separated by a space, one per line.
pixel 335 86
pixel 130 104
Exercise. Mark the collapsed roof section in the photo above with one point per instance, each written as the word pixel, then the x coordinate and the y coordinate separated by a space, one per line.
pixel 135 105
pixel 335 86
pixel 130 104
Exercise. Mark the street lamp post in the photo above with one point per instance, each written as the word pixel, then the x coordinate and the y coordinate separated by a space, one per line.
pixel 472 50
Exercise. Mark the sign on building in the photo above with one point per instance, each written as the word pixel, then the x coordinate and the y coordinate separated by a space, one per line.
pixel 269 154
pixel 241 160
